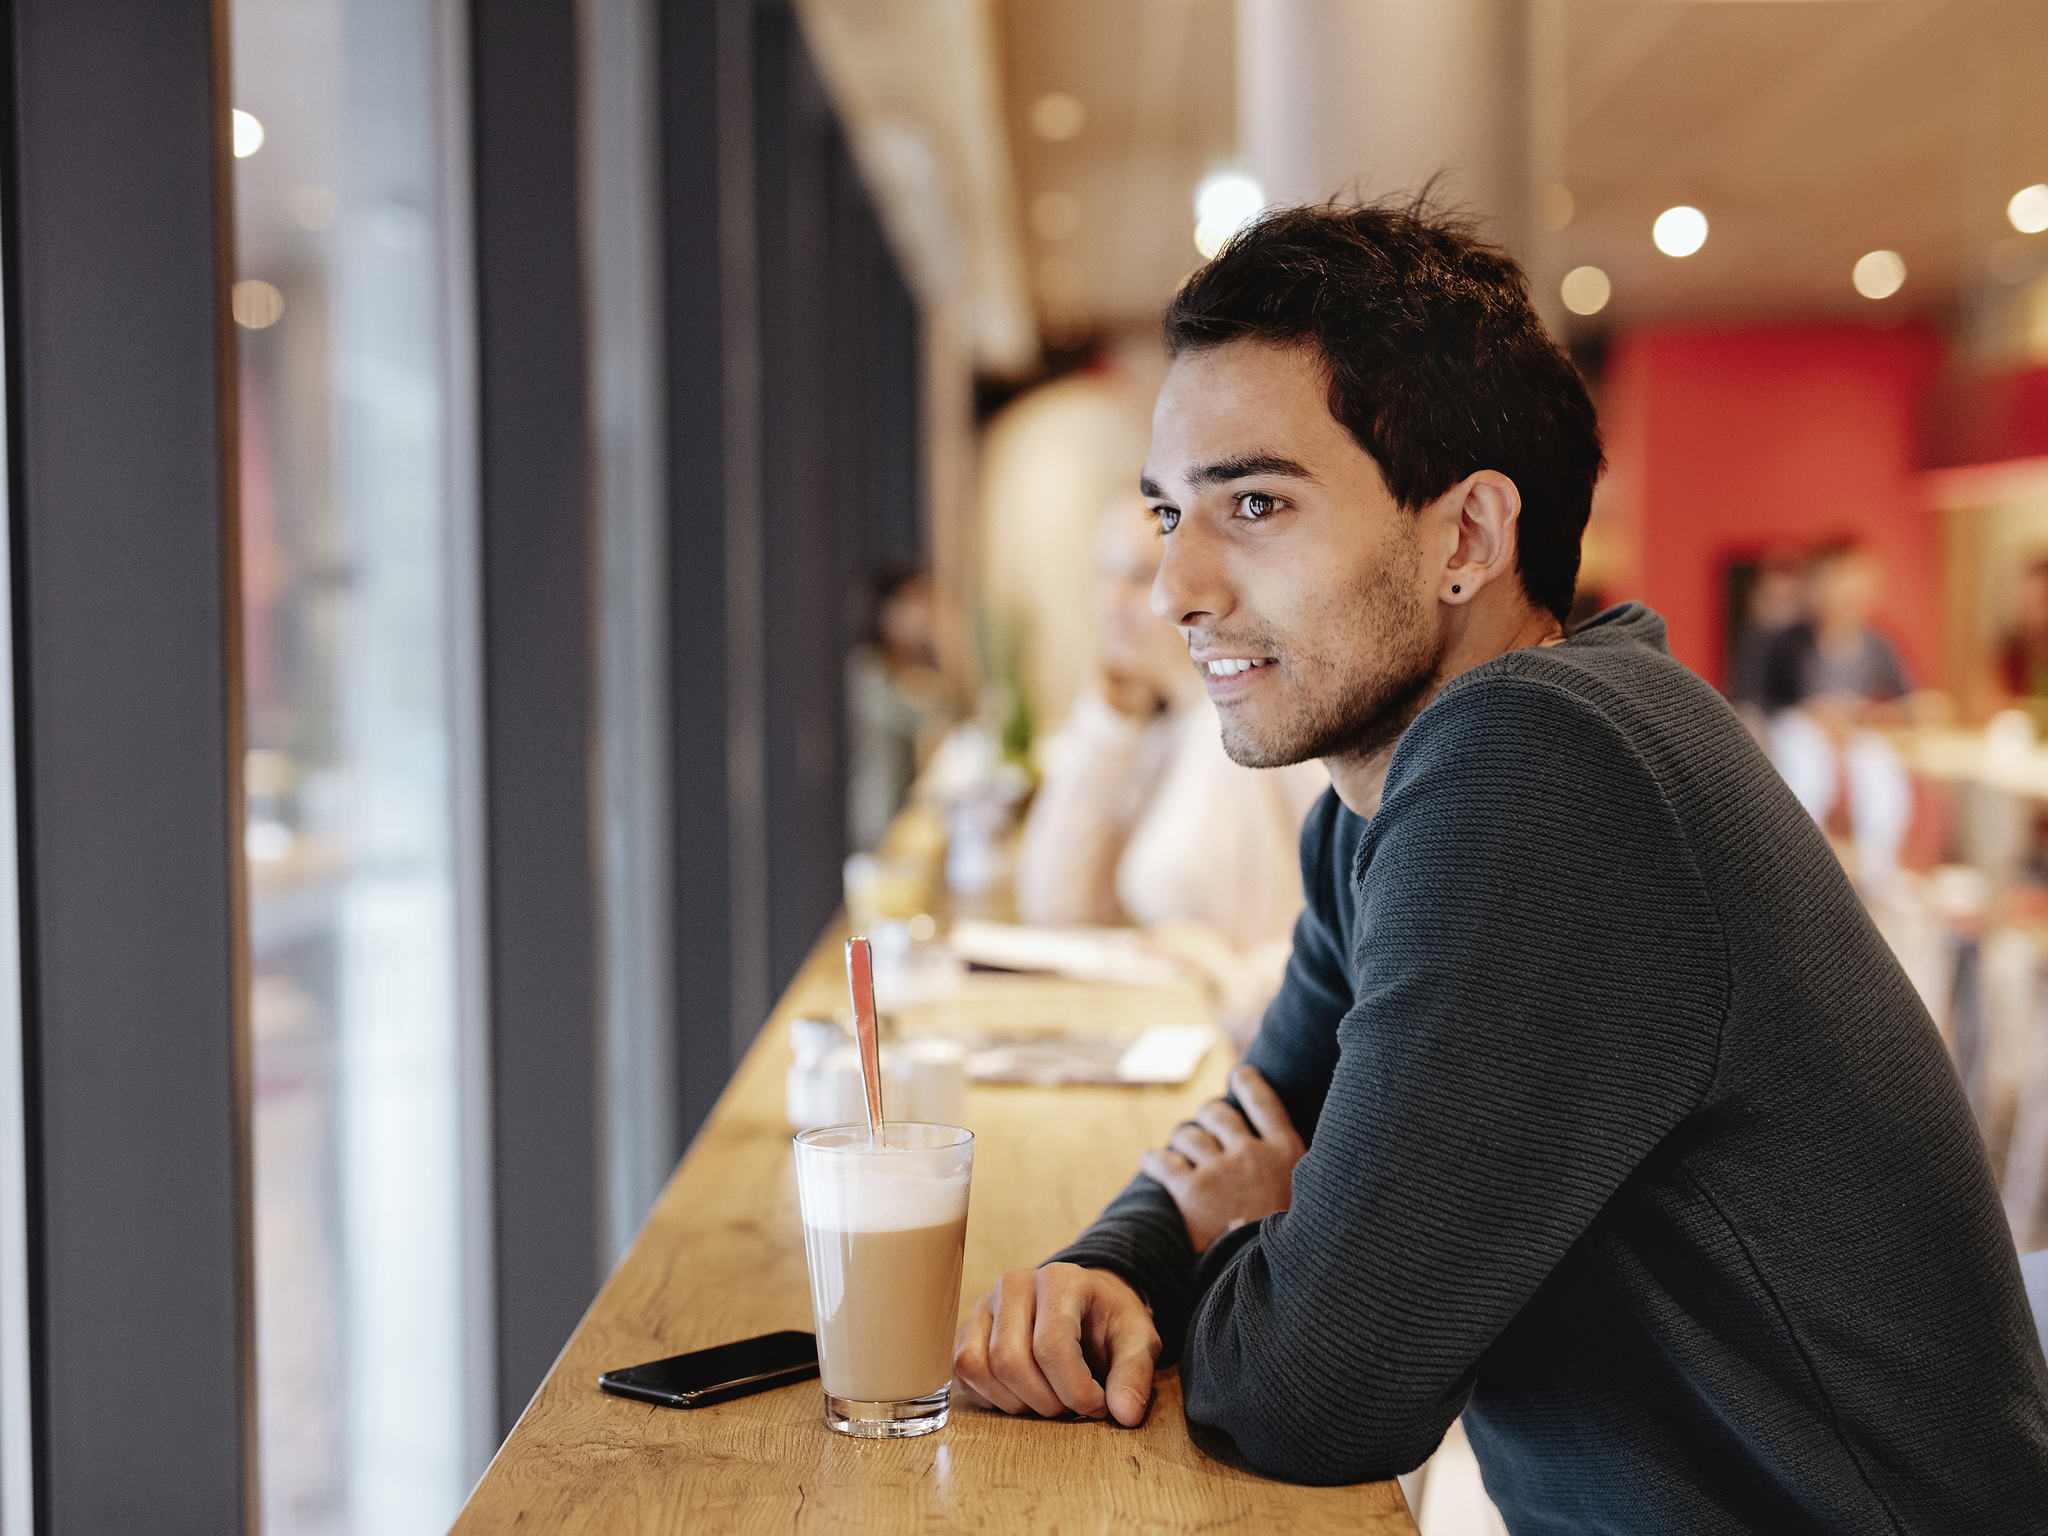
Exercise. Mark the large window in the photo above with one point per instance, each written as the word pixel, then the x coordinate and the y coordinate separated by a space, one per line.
pixel 359 599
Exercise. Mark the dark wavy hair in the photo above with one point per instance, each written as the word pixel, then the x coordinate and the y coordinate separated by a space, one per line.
pixel 1438 364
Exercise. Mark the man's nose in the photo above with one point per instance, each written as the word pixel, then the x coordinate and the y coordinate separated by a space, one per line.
pixel 1189 587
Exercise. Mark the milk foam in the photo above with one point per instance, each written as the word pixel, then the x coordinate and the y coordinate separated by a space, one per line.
pixel 867 1194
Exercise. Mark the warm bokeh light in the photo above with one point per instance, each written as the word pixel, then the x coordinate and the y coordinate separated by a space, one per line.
pixel 1585 290
pixel 2028 209
pixel 1225 201
pixel 1879 274
pixel 1058 116
pixel 1679 231
pixel 257 305
pixel 248 134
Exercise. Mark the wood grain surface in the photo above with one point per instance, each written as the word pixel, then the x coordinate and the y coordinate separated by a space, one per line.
pixel 722 1258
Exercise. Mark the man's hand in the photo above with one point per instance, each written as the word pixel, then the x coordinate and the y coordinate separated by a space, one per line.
pixel 1219 1173
pixel 1037 1342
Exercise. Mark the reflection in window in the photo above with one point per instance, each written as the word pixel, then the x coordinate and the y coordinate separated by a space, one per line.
pixel 356 676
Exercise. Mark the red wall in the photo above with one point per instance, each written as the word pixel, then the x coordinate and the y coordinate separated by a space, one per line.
pixel 1988 419
pixel 1725 444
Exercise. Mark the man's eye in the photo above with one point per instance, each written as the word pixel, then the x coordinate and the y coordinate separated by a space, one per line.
pixel 1169 518
pixel 1257 504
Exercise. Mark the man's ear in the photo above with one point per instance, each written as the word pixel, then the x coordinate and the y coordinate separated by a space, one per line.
pixel 1483 512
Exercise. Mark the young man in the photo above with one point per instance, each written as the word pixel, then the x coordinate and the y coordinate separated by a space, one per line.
pixel 1593 1106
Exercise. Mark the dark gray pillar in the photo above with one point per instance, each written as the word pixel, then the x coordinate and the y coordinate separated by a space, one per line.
pixel 539 679
pixel 128 695
pixel 792 469
pixel 810 543
pixel 711 351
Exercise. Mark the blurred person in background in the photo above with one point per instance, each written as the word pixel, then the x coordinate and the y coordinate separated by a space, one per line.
pixel 1143 818
pixel 1828 679
pixel 1777 601
pixel 897 702
pixel 1834 657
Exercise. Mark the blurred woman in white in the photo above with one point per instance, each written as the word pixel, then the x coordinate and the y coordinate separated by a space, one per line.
pixel 1142 818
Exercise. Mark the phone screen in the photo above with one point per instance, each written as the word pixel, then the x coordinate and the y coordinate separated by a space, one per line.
pixel 719 1373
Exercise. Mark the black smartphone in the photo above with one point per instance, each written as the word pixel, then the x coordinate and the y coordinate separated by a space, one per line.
pixel 721 1372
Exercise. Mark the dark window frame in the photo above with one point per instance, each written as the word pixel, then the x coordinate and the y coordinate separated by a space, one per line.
pixel 123 525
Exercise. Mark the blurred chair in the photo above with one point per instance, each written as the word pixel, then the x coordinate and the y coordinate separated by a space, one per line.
pixel 1864 766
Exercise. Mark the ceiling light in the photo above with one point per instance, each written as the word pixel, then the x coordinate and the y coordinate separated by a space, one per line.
pixel 1058 116
pixel 1879 274
pixel 256 304
pixel 1679 231
pixel 2028 209
pixel 248 134
pixel 1225 201
pixel 1585 290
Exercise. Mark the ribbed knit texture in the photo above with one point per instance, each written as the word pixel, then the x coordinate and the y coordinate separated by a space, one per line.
pixel 1629 1140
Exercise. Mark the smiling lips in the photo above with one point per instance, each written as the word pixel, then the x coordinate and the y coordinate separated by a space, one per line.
pixel 1229 666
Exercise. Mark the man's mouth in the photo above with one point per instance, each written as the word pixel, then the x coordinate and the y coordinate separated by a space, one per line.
pixel 1229 666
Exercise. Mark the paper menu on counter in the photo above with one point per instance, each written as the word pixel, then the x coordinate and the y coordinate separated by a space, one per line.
pixel 1164 1054
pixel 1081 954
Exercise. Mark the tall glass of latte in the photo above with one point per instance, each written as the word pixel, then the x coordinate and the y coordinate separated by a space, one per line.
pixel 885 1228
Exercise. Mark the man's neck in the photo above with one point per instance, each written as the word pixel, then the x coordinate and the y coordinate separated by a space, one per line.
pixel 1472 638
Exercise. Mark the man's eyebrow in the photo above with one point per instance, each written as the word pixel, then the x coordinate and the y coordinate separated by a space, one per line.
pixel 1223 471
pixel 1246 465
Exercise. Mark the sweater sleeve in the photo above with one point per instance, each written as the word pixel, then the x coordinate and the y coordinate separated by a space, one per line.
pixel 1141 1235
pixel 1541 980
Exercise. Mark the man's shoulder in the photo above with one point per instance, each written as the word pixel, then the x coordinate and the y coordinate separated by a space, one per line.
pixel 1516 714
pixel 1566 724
pixel 1616 676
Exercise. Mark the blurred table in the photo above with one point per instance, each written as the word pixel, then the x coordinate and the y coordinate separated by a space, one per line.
pixel 1957 756
pixel 722 1258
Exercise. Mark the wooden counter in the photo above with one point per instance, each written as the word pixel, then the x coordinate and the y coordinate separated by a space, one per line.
pixel 721 1258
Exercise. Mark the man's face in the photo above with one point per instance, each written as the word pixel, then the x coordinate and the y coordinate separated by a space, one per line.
pixel 1283 548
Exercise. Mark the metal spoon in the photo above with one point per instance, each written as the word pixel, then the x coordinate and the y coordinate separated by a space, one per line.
pixel 860 985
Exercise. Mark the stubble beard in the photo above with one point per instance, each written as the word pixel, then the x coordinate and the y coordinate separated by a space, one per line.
pixel 1366 711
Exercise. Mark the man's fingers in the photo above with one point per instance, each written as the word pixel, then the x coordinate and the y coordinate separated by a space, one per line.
pixel 1224 1123
pixel 964 1392
pixel 1263 1105
pixel 1056 1342
pixel 1194 1143
pixel 1012 1352
pixel 970 1362
pixel 1133 1350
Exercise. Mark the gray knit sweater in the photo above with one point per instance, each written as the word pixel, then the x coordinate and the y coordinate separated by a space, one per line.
pixel 1629 1140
